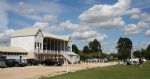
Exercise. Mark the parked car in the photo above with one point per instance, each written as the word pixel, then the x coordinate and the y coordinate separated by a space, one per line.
pixel 32 62
pixel 11 62
pixel 22 62
pixel 50 62
pixel 2 64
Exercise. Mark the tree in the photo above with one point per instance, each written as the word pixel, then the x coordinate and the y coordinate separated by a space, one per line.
pixel 86 49
pixel 143 53
pixel 124 46
pixel 137 54
pixel 148 52
pixel 75 49
pixel 148 48
pixel 95 46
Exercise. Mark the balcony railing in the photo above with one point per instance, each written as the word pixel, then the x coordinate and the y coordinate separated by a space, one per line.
pixel 49 51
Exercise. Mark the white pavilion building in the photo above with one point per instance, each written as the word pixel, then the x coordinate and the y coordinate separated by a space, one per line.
pixel 40 45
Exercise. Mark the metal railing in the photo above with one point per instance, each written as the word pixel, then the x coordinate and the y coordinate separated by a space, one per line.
pixel 46 51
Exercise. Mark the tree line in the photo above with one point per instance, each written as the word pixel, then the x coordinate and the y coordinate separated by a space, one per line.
pixel 124 48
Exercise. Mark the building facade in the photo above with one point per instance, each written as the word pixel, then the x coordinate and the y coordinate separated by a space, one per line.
pixel 41 45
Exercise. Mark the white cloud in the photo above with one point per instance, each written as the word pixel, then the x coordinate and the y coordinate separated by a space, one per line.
pixel 131 29
pixel 142 16
pixel 48 28
pixel 5 36
pixel 109 23
pixel 100 37
pixel 102 15
pixel 41 24
pixel 40 7
pixel 44 18
pixel 135 16
pixel 145 17
pixel 142 24
pixel 84 35
pixel 68 25
pixel 81 32
pixel 43 11
pixel 21 3
pixel 135 28
pixel 147 33
pixel 50 18
pixel 134 11
pixel 3 16
pixel 7 33
pixel 89 35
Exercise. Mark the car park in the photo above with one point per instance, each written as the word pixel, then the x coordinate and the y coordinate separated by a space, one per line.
pixel 32 62
pixel 15 63
pixel 50 62
pixel 11 62
pixel 21 63
pixel 2 64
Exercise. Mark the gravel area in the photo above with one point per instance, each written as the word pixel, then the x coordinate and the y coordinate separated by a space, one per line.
pixel 35 72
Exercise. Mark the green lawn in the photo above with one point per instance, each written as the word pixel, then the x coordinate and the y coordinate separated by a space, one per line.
pixel 111 72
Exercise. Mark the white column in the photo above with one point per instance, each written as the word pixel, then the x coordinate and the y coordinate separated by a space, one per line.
pixel 59 46
pixel 64 47
pixel 54 45
pixel 57 50
pixel 71 46
pixel 50 45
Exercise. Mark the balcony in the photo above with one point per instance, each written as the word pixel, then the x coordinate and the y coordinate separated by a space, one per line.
pixel 49 51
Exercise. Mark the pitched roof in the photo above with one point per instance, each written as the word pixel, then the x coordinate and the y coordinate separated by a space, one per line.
pixel 32 31
pixel 66 38
pixel 12 49
pixel 26 32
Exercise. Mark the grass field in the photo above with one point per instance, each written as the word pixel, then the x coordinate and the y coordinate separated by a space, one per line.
pixel 111 72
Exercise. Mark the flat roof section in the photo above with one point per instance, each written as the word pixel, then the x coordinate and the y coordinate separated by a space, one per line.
pixel 12 49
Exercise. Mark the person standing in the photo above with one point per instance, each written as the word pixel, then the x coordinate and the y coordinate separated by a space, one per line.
pixel 140 62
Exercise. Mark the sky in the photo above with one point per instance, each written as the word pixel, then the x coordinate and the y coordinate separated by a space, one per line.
pixel 83 20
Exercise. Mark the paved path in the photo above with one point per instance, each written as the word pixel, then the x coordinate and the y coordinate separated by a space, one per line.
pixel 35 72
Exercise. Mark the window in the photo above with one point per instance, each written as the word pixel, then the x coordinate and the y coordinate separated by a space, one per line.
pixel 40 45
pixel 14 53
pixel 37 44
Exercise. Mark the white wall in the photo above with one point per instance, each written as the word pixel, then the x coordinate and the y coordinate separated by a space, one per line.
pixel 15 56
pixel 26 43
pixel 39 38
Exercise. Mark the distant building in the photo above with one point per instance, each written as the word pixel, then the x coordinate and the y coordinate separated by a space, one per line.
pixel 37 44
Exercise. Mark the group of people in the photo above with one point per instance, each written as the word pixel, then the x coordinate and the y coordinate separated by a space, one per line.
pixel 140 61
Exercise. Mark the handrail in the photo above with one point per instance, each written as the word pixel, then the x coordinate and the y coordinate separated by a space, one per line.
pixel 69 58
